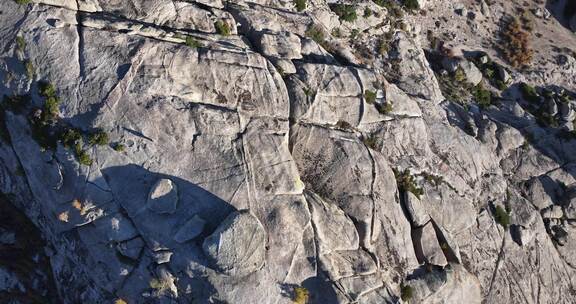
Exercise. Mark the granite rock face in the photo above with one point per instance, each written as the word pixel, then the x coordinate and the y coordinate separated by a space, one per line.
pixel 237 247
pixel 257 151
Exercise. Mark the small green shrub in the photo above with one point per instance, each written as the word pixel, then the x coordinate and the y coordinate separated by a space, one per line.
pixel 193 43
pixel 482 96
pixel 529 93
pixel 502 217
pixel 354 33
pixel 300 5
pixel 384 108
pixel 99 138
pixel 371 141
pixel 406 292
pixel 367 12
pixel 342 124
pixel 383 47
pixel 118 147
pixel 46 89
pixel 70 138
pixel 84 158
pixel 406 183
pixel 411 5
pixel 222 28
pixel 317 34
pixel 22 1
pixel 20 43
pixel 370 96
pixel 393 8
pixel 30 71
pixel 345 12
pixel 433 179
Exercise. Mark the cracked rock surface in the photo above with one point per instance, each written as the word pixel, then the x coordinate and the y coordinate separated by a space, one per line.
pixel 248 151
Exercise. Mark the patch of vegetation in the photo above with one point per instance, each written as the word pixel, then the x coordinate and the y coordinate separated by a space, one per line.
pixel 393 8
pixel 22 1
pixel 30 71
pixel 20 43
pixel 317 34
pixel 433 179
pixel 336 32
pixel 411 5
pixel 222 28
pixel 406 183
pixel 502 217
pixel 384 108
pixel 46 89
pixel 99 138
pixel 383 46
pixel 367 12
pixel 370 96
pixel 70 138
pixel 342 124
pixel 83 157
pixel 192 42
pixel 515 44
pixel 345 12
pixel 529 93
pixel 406 292
pixel 354 33
pixel 371 141
pixel 300 5
pixel 482 96
pixel 301 295
pixel 119 147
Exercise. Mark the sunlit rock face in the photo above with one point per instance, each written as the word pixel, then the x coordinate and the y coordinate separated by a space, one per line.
pixel 284 152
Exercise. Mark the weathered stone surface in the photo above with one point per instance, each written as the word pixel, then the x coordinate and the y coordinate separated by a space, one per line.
pixel 335 230
pixel 163 197
pixel 297 118
pixel 237 246
pixel 190 230
pixel 414 206
pixel 340 264
pixel 427 247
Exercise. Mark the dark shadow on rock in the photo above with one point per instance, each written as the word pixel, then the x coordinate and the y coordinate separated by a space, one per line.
pixel 321 290
pixel 562 10
pixel 22 253
pixel 131 184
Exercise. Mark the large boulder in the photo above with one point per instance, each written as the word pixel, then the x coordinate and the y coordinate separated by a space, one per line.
pixel 237 247
pixel 163 197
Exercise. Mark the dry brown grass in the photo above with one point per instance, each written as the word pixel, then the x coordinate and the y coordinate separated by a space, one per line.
pixel 516 44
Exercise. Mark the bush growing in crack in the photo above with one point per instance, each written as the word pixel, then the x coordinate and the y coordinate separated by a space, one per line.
pixel 384 108
pixel 406 292
pixel 406 183
pixel 370 96
pixel 300 5
pixel 502 217
pixel 345 12
pixel 99 138
pixel 371 141
pixel 222 28
pixel 301 295
pixel 192 42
